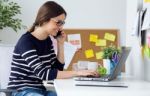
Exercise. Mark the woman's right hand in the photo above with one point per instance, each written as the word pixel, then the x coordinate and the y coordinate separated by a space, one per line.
pixel 88 73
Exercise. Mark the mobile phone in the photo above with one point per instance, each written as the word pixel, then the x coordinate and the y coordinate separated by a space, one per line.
pixel 58 34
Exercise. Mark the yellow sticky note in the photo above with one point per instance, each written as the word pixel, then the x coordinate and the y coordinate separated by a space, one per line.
pixel 89 53
pixel 101 42
pixel 99 55
pixel 109 37
pixel 147 1
pixel 93 37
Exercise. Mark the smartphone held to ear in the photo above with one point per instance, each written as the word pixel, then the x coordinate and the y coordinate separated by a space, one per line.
pixel 58 34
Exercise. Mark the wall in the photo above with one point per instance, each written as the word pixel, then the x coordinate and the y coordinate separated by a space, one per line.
pixel 136 64
pixel 81 14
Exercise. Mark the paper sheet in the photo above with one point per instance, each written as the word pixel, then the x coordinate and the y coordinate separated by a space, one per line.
pixel 100 42
pixel 147 51
pixel 75 39
pixel 93 38
pixel 109 37
pixel 147 1
pixel 99 55
pixel 146 22
pixel 135 27
pixel 69 52
pixel 89 53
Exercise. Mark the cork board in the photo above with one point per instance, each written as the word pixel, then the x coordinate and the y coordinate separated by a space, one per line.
pixel 86 44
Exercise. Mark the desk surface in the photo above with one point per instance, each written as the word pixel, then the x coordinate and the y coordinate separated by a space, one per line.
pixel 66 87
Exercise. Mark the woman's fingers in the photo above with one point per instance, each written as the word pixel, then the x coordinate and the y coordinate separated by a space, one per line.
pixel 88 72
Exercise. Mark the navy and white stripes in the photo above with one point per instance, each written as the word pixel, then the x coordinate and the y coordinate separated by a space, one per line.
pixel 33 61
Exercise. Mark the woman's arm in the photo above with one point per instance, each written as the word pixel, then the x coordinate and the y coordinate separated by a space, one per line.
pixel 60 53
pixel 69 74
pixel 60 47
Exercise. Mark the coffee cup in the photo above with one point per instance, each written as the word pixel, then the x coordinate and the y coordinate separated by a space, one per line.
pixel 92 65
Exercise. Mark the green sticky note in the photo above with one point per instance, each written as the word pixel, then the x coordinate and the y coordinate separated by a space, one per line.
pixel 147 51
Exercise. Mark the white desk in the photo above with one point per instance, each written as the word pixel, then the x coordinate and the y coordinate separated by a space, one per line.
pixel 66 87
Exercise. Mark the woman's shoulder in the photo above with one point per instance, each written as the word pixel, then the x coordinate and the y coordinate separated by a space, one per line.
pixel 26 36
pixel 24 39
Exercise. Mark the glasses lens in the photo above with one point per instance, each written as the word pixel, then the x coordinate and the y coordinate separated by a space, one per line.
pixel 60 22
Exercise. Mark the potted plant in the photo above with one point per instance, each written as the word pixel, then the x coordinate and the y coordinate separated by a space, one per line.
pixel 110 58
pixel 8 12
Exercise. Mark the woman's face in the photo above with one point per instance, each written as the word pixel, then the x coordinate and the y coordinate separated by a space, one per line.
pixel 55 24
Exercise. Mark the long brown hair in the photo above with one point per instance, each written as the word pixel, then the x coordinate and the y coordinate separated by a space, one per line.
pixel 48 10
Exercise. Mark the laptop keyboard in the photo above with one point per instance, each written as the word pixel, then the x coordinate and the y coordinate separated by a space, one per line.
pixel 91 78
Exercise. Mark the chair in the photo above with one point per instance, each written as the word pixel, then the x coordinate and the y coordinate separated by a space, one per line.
pixel 5 65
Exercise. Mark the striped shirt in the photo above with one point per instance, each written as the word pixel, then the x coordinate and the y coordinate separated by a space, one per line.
pixel 33 61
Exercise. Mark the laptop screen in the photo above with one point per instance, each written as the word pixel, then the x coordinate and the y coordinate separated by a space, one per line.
pixel 124 54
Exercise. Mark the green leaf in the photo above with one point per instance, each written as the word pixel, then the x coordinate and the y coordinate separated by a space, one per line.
pixel 8 12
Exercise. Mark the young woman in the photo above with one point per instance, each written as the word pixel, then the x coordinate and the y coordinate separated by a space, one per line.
pixel 34 59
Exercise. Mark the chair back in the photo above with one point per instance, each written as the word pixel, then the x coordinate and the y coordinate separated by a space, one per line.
pixel 5 64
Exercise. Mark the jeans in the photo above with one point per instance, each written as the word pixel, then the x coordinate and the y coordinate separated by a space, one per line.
pixel 34 92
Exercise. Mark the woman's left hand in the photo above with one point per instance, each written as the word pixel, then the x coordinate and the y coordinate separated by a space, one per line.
pixel 61 39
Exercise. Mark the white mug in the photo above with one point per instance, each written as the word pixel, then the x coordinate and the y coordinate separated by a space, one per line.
pixel 92 65
pixel 82 65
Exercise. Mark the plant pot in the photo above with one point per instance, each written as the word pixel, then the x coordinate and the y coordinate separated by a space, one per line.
pixel 109 65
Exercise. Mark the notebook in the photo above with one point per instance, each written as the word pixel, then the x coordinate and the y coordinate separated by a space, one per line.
pixel 117 70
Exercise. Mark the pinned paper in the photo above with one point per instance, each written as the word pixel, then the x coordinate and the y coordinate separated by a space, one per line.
pixel 93 37
pixel 89 53
pixel 147 51
pixel 101 42
pixel 146 21
pixel 69 52
pixel 109 37
pixel 75 39
pixel 99 55
pixel 147 1
pixel 148 42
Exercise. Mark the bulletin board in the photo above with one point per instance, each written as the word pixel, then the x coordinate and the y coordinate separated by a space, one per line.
pixel 85 35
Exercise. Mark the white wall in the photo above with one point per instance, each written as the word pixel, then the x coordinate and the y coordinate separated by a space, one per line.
pixel 137 65
pixel 81 14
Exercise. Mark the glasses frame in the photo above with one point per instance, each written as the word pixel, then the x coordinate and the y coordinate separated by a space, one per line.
pixel 58 22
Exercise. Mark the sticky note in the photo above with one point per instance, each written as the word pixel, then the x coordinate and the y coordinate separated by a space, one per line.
pixel 147 51
pixel 99 55
pixel 147 1
pixel 93 38
pixel 109 37
pixel 148 42
pixel 100 42
pixel 89 53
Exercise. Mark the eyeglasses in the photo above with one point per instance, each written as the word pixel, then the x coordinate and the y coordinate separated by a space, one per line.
pixel 58 22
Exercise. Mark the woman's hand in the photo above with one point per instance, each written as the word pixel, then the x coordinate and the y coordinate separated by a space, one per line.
pixel 60 47
pixel 88 73
pixel 61 39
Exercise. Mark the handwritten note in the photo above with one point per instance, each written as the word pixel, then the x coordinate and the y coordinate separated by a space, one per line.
pixel 109 37
pixel 147 1
pixel 99 55
pixel 93 38
pixel 75 39
pixel 100 42
pixel 89 53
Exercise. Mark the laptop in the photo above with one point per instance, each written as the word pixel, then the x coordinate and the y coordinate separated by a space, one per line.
pixel 117 70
